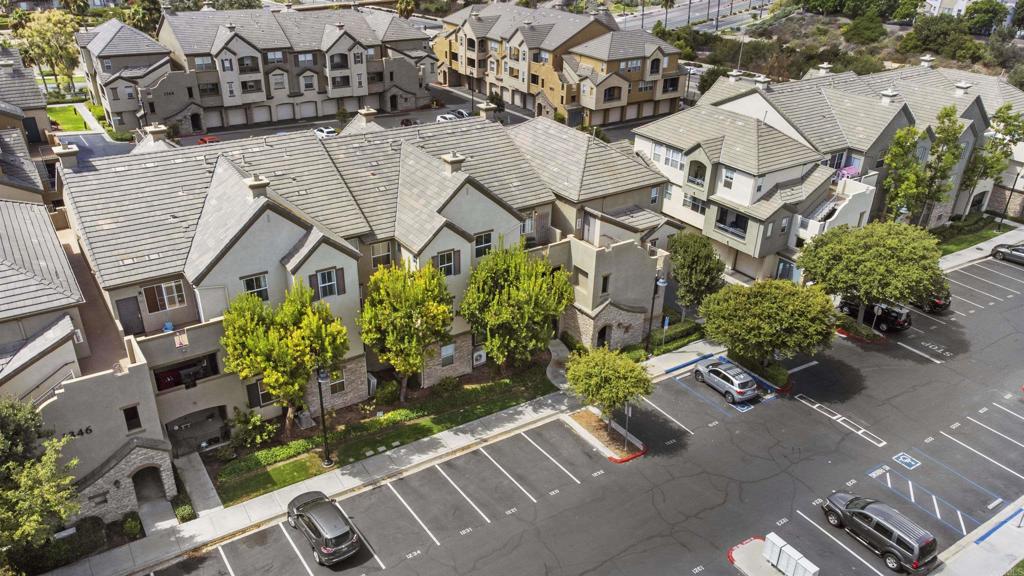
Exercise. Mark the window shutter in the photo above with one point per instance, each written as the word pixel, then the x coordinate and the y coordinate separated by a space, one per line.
pixel 457 261
pixel 315 286
pixel 253 392
pixel 339 274
pixel 435 260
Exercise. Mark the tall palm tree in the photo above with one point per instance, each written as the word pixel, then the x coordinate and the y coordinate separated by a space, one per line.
pixel 405 8
pixel 666 4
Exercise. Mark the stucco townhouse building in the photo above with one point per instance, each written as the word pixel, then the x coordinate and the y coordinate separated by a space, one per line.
pixel 158 266
pixel 26 167
pixel 551 61
pixel 211 69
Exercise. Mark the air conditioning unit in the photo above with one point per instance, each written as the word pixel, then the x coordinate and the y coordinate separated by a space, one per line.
pixel 479 357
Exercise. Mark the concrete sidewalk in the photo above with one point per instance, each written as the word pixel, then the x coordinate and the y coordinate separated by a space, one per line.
pixel 1014 235
pixel 661 367
pixel 992 548
pixel 219 524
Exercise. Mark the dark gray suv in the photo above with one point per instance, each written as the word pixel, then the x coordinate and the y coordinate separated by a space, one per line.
pixel 903 545
pixel 329 533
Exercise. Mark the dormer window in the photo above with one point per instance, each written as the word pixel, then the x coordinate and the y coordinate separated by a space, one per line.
pixel 728 177
pixel 305 59
pixel 107 65
pixel 275 57
pixel 227 64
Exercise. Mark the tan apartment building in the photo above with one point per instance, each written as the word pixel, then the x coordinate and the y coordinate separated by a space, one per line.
pixel 25 174
pixel 555 62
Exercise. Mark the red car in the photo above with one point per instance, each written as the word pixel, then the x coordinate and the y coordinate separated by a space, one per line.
pixel 208 140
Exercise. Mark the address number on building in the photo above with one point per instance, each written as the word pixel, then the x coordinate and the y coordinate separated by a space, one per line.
pixel 80 432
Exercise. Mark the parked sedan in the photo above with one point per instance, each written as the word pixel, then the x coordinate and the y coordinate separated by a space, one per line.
pixel 902 544
pixel 446 118
pixel 329 533
pixel 460 113
pixel 1009 252
pixel 890 317
pixel 208 140
pixel 325 132
pixel 729 379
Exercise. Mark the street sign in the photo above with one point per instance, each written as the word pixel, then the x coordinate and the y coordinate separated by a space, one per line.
pixel 664 323
pixel 629 409
pixel 906 460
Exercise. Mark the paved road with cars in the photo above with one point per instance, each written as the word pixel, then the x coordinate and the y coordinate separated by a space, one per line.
pixel 930 421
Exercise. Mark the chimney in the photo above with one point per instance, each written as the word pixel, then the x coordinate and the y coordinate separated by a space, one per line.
pixel 207 6
pixel 68 155
pixel 157 131
pixel 453 162
pixel 367 113
pixel 230 26
pixel 734 75
pixel 528 23
pixel 962 87
pixel 889 95
pixel 166 9
pixel 762 82
pixel 257 185
pixel 339 25
pixel 487 110
pixel 927 60
pixel 824 69
pixel 287 6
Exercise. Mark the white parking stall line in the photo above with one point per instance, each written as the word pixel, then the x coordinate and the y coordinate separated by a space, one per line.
pixel 919 353
pixel 225 559
pixel 935 503
pixel 916 329
pixel 961 518
pixel 912 498
pixel 969 287
pixel 982 455
pixel 417 518
pixel 1000 273
pixel 959 312
pixel 666 415
pixel 362 538
pixel 836 540
pixel 1007 410
pixel 996 432
pixel 989 282
pixel 553 461
pixel 803 366
pixel 975 304
pixel 932 318
pixel 509 476
pixel 888 480
pixel 296 548
pixel 459 490
pixel 1001 263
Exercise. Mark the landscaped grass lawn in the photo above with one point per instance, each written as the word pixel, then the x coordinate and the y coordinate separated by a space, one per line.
pixel 1017 570
pixel 531 383
pixel 967 240
pixel 67 117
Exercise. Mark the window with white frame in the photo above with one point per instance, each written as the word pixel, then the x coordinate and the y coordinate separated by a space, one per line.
pixel 357 57
pixel 768 229
pixel 668 192
pixel 494 45
pixel 204 63
pixel 107 65
pixel 673 158
pixel 654 195
pixel 446 263
pixel 275 57
pixel 632 65
pixel 447 354
pixel 327 283
pixel 305 59
pixel 785 225
pixel 380 254
pixel 527 226
pixel 166 296
pixel 693 203
pixel 129 92
pixel 257 284
pixel 370 52
pixel 338 385
pixel 728 177
pixel 760 184
pixel 265 397
pixel 645 86
pixel 481 244
pixel 227 64
pixel 308 83
pixel 278 81
pixel 658 152
pixel 231 89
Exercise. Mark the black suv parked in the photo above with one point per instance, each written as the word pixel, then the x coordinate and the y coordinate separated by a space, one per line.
pixel 901 543
pixel 891 316
pixel 331 536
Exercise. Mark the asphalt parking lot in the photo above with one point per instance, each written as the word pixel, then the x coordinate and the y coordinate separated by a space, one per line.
pixel 930 421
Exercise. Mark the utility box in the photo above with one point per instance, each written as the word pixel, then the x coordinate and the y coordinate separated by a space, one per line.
pixel 804 567
pixel 788 560
pixel 773 545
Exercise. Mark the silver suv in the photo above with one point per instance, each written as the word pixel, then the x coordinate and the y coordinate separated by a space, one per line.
pixel 729 379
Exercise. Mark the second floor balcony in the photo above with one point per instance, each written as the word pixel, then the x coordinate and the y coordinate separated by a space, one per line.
pixel 732 223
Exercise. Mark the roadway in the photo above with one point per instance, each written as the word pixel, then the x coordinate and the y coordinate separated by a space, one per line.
pixel 688 12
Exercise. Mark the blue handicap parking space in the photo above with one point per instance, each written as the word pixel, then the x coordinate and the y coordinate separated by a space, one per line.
pixel 906 460
pixel 743 406
pixel 710 401
pixel 923 498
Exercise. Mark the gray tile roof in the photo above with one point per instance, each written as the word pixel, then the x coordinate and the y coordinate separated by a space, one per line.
pixel 16 164
pixel 731 138
pixel 138 213
pixel 133 72
pixel 423 188
pixel 21 353
pixel 18 84
pixel 786 194
pixel 994 90
pixel 9 109
pixel 548 28
pixel 622 44
pixel 578 166
pixel 35 275
pixel 114 38
pixel 198 32
pixel 636 218
pixel 147 145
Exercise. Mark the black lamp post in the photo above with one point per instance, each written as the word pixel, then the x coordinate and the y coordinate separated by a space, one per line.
pixel 658 282
pixel 322 378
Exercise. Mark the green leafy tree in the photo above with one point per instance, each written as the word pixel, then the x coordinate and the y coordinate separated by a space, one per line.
pixel 905 178
pixel 909 184
pixel 696 268
pixel 512 301
pixel 906 9
pixel 943 156
pixel 144 15
pixel 20 430
pixel 76 7
pixel 991 159
pixel 606 379
pixel 769 319
pixel 983 16
pixel 1018 15
pixel 405 8
pixel 943 34
pixel 283 345
pixel 864 30
pixel 406 311
pixel 883 261
pixel 708 79
pixel 666 4
pixel 49 38
pixel 1016 76
pixel 19 19
pixel 36 496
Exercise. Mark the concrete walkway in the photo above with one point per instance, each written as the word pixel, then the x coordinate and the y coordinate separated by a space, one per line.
pixel 660 367
pixel 1014 235
pixel 198 484
pixel 556 367
pixel 993 548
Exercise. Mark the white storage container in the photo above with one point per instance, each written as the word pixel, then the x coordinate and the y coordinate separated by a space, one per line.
pixel 773 545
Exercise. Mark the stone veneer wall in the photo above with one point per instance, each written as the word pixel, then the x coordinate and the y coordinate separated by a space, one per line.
pixel 997 201
pixel 626 327
pixel 355 389
pixel 113 494
pixel 433 372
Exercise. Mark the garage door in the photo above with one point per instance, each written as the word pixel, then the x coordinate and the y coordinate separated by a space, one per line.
pixel 212 119
pixel 746 264
pixel 236 116
pixel 612 115
pixel 285 112
pixel 307 110
pixel 372 101
pixel 631 111
pixel 261 114
pixel 328 107
pixel 648 109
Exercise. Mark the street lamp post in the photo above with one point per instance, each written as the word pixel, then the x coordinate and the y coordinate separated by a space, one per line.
pixel 688 6
pixel 659 282
pixel 718 13
pixel 642 4
pixel 323 378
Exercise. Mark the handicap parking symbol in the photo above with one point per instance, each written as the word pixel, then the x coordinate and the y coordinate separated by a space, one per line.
pixel 743 406
pixel 906 460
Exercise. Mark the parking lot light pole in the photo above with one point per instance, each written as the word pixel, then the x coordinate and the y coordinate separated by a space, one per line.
pixel 659 282
pixel 323 378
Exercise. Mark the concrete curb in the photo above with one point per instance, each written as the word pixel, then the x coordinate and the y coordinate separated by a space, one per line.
pixel 949 554
pixel 587 436
pixel 622 431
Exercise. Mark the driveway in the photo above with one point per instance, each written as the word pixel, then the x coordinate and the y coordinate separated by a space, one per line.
pixel 96 146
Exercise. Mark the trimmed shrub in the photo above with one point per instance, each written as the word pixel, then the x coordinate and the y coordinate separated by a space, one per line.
pixel 570 342
pixel 184 513
pixel 131 526
pixel 446 386
pixel 387 392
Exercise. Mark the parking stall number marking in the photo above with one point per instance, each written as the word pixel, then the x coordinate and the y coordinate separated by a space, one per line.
pixel 906 460
pixel 511 511
pixel 781 521
pixel 553 492
pixel 698 569
pixel 465 531
pixel 413 554
pixel 598 473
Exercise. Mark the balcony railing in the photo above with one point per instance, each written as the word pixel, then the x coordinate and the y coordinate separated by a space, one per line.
pixel 731 231
pixel 248 69
pixel 695 181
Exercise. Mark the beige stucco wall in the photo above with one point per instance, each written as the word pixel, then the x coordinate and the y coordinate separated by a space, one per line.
pixel 448 240
pixel 38 377
pixel 154 322
pixel 345 306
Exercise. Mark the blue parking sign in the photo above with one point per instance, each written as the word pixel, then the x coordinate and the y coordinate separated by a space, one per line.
pixel 906 460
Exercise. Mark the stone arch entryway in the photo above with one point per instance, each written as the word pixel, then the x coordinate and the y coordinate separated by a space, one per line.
pixel 155 510
pixel 604 336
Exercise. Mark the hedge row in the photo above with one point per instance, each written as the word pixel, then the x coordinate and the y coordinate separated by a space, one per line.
pixel 968 225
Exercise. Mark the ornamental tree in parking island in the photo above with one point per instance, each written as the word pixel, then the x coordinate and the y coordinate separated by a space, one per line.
pixel 883 261
pixel 769 319
pixel 696 268
pixel 606 379
pixel 405 312
pixel 512 301
pixel 283 345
